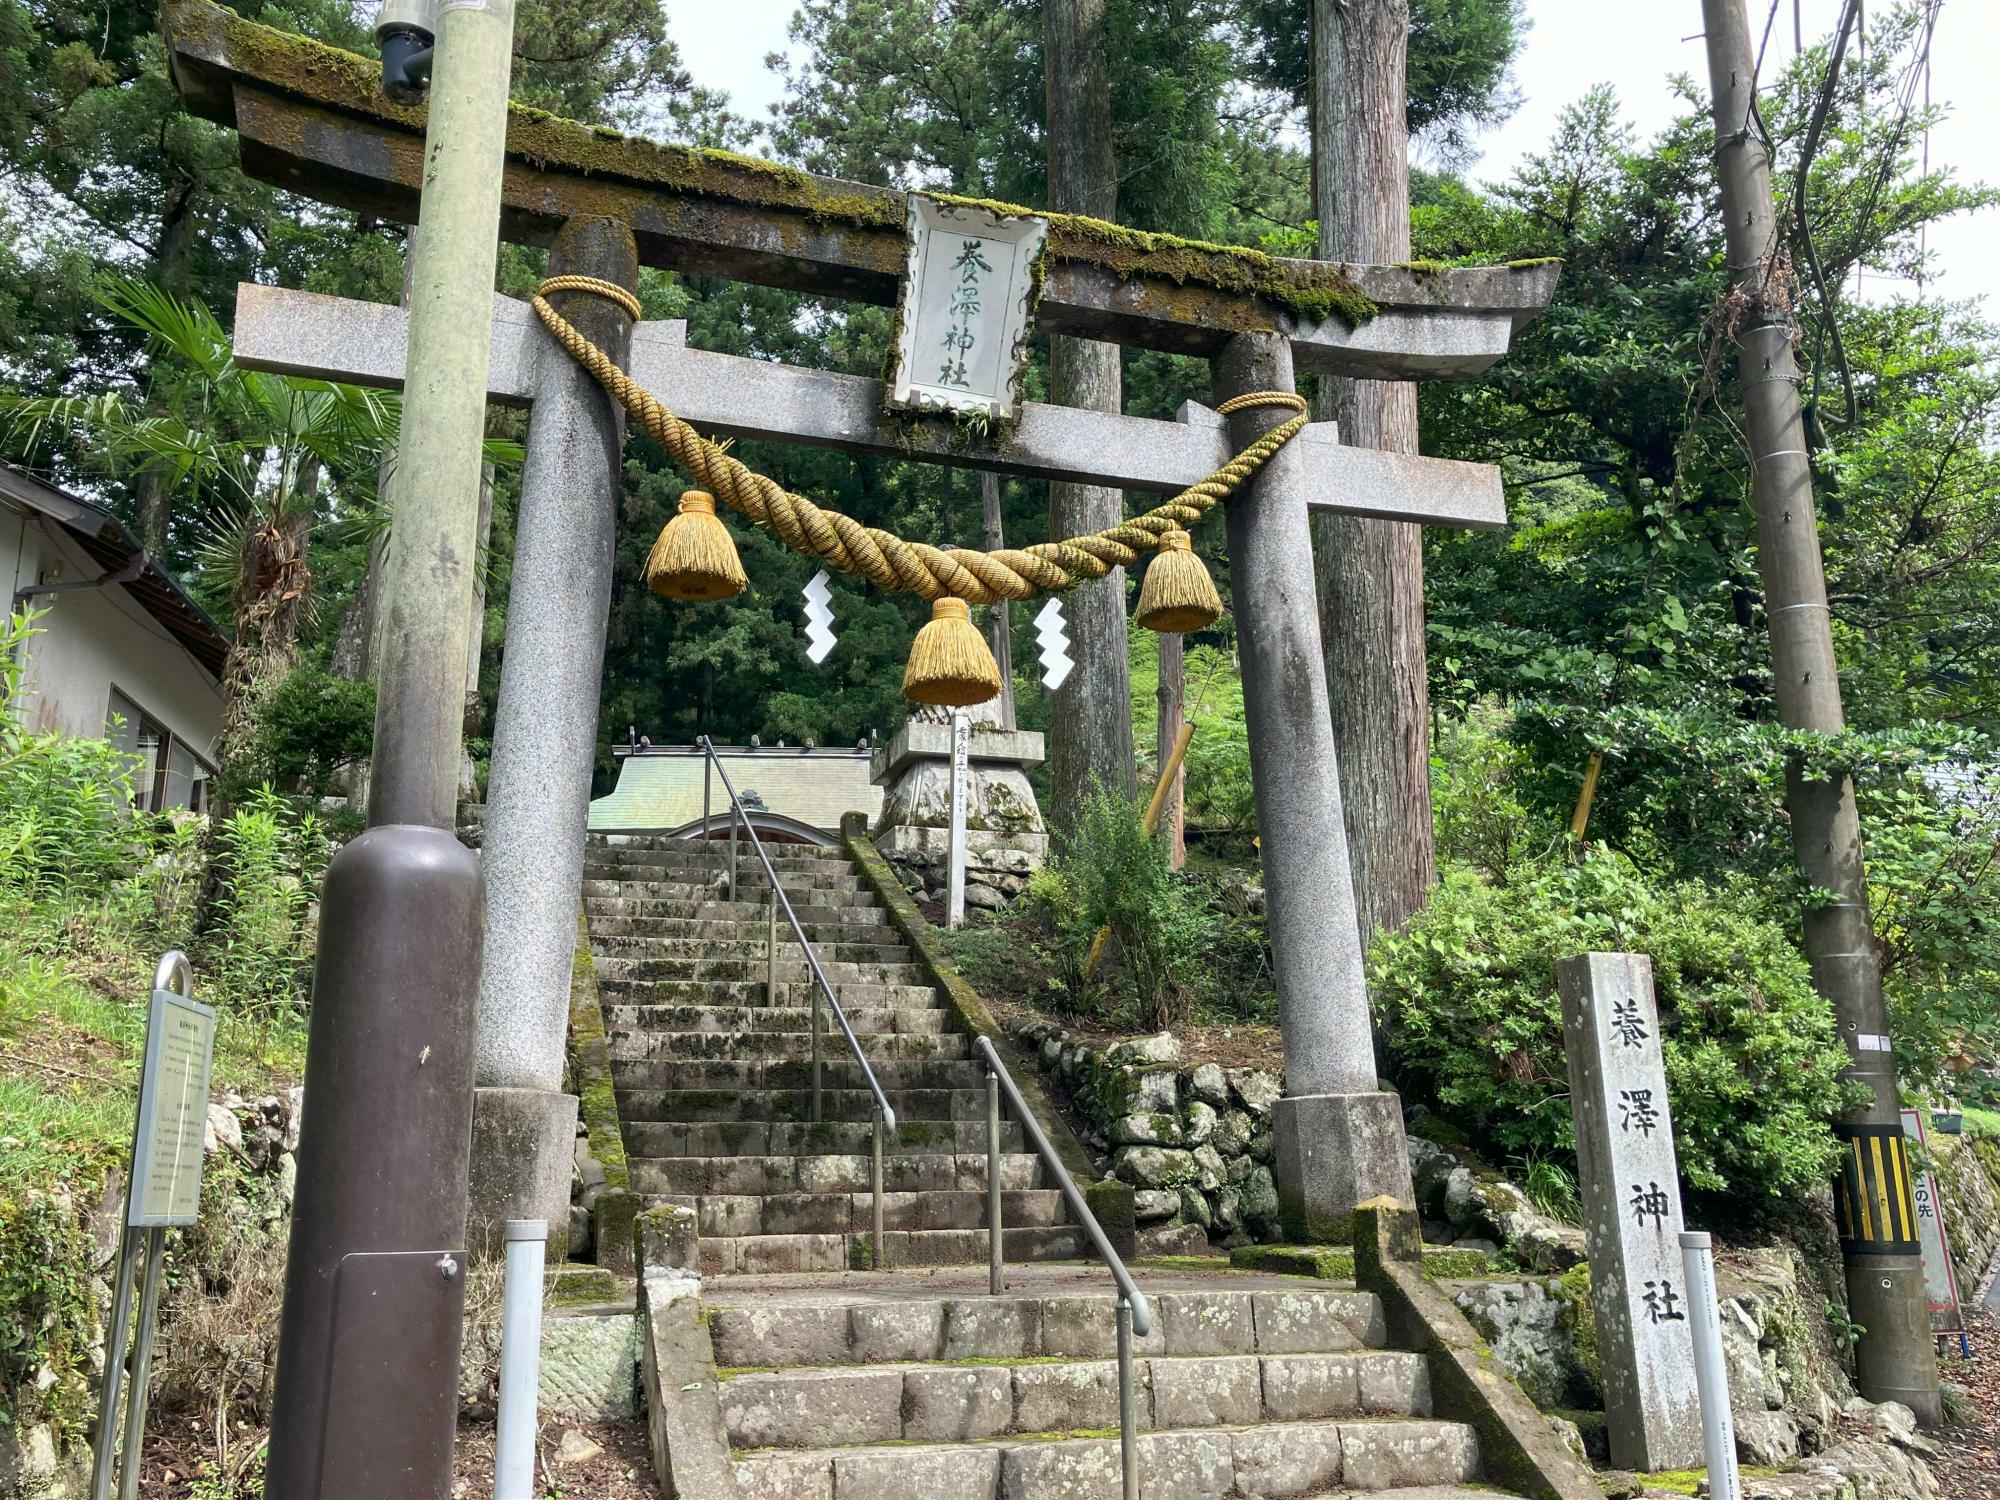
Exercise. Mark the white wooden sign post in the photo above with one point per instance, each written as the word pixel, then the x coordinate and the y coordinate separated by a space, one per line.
pixel 1631 1192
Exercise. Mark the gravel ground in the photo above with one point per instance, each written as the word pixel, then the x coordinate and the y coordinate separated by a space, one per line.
pixel 181 1462
pixel 622 1469
pixel 1970 1466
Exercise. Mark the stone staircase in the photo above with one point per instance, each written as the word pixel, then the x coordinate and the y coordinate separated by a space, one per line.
pixel 1246 1386
pixel 714 1079
pixel 839 1381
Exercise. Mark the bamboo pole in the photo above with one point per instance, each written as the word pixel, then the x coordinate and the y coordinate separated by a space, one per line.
pixel 1151 821
pixel 1585 799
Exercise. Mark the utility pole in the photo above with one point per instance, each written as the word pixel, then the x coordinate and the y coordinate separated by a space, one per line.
pixel 367 1391
pixel 1896 1357
pixel 1370 572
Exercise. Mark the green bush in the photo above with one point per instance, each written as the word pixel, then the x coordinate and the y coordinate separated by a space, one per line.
pixel 269 861
pixel 1700 795
pixel 309 726
pixel 1473 1023
pixel 65 803
pixel 1112 874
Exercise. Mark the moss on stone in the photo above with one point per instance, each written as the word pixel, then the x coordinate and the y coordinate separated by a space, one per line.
pixel 590 1067
pixel 1308 291
pixel 1324 1262
pixel 580 1286
pixel 1336 1262
pixel 1577 1320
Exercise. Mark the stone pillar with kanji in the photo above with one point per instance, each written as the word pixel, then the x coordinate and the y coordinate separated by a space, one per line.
pixel 1630 1187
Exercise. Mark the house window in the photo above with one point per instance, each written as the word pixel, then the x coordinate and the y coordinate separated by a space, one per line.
pixel 165 771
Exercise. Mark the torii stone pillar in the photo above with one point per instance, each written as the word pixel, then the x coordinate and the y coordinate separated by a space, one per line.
pixel 1339 1137
pixel 544 745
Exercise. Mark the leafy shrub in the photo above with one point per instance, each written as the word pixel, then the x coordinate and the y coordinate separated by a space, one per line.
pixel 64 803
pixel 306 728
pixel 1112 874
pixel 1477 810
pixel 1701 795
pixel 1473 1023
pixel 269 863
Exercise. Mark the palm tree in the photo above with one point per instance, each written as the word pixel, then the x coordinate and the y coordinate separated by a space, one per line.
pixel 254 464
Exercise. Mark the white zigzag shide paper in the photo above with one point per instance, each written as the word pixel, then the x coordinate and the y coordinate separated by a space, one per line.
pixel 819 619
pixel 1055 644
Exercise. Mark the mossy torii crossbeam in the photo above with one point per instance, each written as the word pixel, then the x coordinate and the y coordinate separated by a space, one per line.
pixel 313 119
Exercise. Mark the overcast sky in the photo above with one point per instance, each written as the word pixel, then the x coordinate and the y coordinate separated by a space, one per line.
pixel 1571 45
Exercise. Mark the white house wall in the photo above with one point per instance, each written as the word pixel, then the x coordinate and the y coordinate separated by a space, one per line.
pixel 95 639
pixel 20 548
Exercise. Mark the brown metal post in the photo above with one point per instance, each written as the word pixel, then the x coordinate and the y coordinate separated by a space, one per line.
pixel 381 1200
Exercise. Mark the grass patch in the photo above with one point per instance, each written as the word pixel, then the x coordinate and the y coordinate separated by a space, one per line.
pixel 1336 1262
pixel 70 1055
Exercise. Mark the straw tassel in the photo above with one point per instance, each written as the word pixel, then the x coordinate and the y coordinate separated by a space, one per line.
pixel 1178 595
pixel 695 557
pixel 950 663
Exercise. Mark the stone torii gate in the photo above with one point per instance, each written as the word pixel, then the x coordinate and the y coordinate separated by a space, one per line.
pixel 313 119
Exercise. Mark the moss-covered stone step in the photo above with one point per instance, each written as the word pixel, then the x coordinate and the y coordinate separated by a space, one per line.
pixel 580 1285
pixel 717 855
pixel 746 993
pixel 732 1215
pixel 841 1137
pixel 881 947
pixel 843 924
pixel 761 1176
pixel 752 1333
pixel 693 909
pixel 838 1071
pixel 857 1404
pixel 643 1100
pixel 641 1044
pixel 627 886
pixel 751 881
pixel 867 1020
pixel 789 970
pixel 1270 1461
pixel 906 1249
pixel 1336 1262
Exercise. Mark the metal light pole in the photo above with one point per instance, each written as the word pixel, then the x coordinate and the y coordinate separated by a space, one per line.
pixel 367 1404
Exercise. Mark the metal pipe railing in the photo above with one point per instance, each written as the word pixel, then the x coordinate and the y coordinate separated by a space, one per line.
pixel 819 985
pixel 1135 1317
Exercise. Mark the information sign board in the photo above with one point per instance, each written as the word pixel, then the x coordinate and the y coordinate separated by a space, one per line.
pixel 173 1113
pixel 1940 1280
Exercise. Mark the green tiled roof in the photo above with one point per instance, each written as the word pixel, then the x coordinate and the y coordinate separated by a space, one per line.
pixel 659 789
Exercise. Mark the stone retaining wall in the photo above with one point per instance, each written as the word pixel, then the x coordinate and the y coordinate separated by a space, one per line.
pixel 1195 1144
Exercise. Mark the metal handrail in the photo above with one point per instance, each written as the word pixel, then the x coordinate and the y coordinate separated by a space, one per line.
pixel 1135 1316
pixel 885 1114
